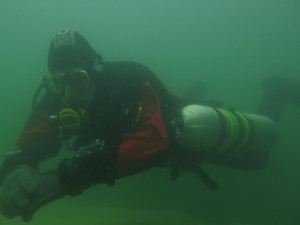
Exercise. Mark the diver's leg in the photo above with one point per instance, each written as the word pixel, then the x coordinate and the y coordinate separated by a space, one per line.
pixel 277 91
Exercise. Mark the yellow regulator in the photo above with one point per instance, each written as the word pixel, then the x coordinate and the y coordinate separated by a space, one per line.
pixel 71 118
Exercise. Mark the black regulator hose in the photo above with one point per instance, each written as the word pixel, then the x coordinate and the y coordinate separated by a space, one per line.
pixel 34 104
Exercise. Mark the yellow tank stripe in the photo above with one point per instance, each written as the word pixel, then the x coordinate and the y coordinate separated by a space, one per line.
pixel 245 130
pixel 231 134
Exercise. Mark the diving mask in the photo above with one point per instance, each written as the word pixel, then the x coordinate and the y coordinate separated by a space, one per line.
pixel 61 84
pixel 74 86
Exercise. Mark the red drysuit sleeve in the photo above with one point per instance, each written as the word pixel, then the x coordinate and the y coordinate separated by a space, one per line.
pixel 40 134
pixel 146 147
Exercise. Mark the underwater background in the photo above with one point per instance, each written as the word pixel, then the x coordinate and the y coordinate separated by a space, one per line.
pixel 231 45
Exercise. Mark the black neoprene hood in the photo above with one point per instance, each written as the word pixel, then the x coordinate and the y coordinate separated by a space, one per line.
pixel 69 49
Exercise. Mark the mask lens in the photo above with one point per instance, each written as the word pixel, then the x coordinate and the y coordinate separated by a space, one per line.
pixel 79 80
pixel 54 83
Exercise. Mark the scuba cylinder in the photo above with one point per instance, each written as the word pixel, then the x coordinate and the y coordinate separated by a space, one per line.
pixel 217 133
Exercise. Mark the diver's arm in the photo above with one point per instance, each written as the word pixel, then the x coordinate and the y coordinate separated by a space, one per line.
pixel 144 148
pixel 39 140
pixel 19 170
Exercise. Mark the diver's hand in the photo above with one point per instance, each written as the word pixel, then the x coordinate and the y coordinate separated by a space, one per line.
pixel 49 189
pixel 17 190
pixel 24 191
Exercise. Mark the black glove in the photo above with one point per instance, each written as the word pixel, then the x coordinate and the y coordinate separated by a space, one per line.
pixel 49 189
pixel 18 188
pixel 89 167
pixel 24 191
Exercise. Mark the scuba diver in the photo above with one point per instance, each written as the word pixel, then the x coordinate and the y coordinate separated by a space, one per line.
pixel 119 119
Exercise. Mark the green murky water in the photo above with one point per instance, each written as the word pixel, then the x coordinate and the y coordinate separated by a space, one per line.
pixel 231 45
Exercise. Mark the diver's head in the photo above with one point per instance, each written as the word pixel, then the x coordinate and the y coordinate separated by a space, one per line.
pixel 72 63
